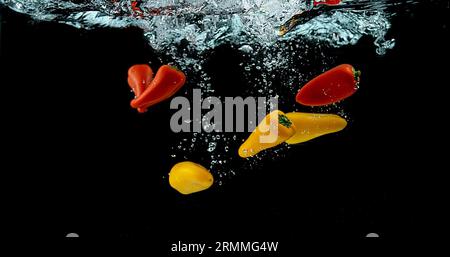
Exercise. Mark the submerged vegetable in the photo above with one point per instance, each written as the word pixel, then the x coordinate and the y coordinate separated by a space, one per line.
pixel 313 9
pixel 325 2
pixel 189 177
pixel 167 82
pixel 330 87
pixel 139 77
pixel 312 125
pixel 273 130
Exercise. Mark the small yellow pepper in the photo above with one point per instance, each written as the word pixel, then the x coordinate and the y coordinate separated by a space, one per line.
pixel 189 177
pixel 312 125
pixel 273 130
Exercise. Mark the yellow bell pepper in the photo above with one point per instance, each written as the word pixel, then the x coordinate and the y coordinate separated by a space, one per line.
pixel 312 125
pixel 273 130
pixel 189 177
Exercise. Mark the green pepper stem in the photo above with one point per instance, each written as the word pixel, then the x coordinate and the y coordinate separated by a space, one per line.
pixel 283 120
pixel 357 75
pixel 174 67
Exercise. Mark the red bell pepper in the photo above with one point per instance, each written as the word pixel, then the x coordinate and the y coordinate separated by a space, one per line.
pixel 330 87
pixel 168 80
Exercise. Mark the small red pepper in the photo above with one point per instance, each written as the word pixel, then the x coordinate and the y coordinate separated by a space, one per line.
pixel 168 80
pixel 139 77
pixel 136 9
pixel 330 87
pixel 326 2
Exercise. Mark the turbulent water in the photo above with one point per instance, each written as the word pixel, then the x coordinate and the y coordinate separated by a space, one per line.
pixel 208 23
pixel 251 26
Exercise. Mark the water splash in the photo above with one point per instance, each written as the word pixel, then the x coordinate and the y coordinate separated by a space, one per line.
pixel 205 24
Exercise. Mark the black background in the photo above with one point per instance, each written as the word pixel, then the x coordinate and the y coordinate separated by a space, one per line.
pixel 83 161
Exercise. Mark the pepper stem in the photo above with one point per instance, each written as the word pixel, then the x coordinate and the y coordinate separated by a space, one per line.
pixel 283 120
pixel 174 67
pixel 357 76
